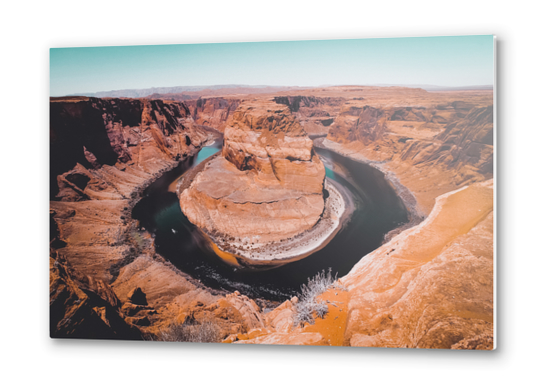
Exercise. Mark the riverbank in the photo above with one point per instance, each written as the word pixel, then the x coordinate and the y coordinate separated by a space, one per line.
pixel 416 214
pixel 338 207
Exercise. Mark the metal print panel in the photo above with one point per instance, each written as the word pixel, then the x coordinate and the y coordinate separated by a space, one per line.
pixel 331 193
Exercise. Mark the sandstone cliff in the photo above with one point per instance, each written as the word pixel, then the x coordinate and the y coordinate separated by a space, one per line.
pixel 82 307
pixel 104 152
pixel 315 114
pixel 268 184
pixel 114 138
pixel 431 150
pixel 430 287
pixel 213 112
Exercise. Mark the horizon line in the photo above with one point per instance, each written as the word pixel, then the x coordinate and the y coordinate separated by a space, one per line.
pixel 256 86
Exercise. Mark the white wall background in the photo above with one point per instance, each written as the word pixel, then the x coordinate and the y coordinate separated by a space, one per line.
pixel 28 30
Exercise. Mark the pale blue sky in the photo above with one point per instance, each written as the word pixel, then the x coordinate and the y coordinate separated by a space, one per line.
pixel 445 61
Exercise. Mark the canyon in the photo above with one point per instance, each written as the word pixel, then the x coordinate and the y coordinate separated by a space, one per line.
pixel 429 285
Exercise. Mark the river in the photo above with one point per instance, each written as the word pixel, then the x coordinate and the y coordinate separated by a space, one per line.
pixel 378 210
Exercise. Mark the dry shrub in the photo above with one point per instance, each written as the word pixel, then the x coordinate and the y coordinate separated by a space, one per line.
pixel 308 305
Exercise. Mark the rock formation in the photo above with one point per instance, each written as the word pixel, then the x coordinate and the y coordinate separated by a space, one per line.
pixel 430 287
pixel 433 285
pixel 104 152
pixel 213 111
pixel 81 307
pixel 268 184
pixel 111 139
pixel 315 114
pixel 432 150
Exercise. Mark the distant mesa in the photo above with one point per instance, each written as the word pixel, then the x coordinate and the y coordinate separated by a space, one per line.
pixel 145 92
pixel 194 91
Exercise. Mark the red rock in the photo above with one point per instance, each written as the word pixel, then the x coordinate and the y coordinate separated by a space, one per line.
pixel 267 186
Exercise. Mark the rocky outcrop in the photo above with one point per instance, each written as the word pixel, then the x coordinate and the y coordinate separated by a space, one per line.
pixel 315 114
pixel 103 155
pixel 432 285
pixel 264 137
pixel 470 141
pixel 429 155
pixel 233 314
pixel 266 187
pixel 213 112
pixel 114 139
pixel 362 124
pixel 82 307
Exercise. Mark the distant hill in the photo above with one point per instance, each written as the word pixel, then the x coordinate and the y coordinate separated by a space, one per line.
pixel 429 87
pixel 134 93
pixel 195 91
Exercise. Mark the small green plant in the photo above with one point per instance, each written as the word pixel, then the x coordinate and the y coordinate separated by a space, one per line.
pixel 308 304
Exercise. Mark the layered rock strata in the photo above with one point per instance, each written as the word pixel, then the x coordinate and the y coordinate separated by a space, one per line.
pixel 106 281
pixel 213 111
pixel 430 150
pixel 267 187
pixel 315 114
pixel 430 287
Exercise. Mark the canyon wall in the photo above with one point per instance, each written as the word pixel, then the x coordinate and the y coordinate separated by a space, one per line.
pixel 106 280
pixel 92 140
pixel 432 285
pixel 315 114
pixel 213 112
pixel 429 287
pixel 432 150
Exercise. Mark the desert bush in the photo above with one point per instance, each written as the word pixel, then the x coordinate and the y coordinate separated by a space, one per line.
pixel 308 305
pixel 204 332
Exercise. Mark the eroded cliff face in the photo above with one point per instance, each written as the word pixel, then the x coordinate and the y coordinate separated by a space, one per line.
pixel 315 114
pixel 213 112
pixel 432 285
pixel 94 141
pixel 429 287
pixel 431 150
pixel 268 184
pixel 106 279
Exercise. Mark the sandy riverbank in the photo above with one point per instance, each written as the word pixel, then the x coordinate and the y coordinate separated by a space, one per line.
pixel 338 208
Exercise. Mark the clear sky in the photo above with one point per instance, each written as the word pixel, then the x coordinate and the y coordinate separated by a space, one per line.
pixel 444 61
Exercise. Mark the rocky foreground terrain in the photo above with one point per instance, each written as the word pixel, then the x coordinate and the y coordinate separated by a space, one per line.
pixel 430 286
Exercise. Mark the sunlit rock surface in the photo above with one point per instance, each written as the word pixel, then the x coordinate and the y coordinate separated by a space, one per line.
pixel 268 183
